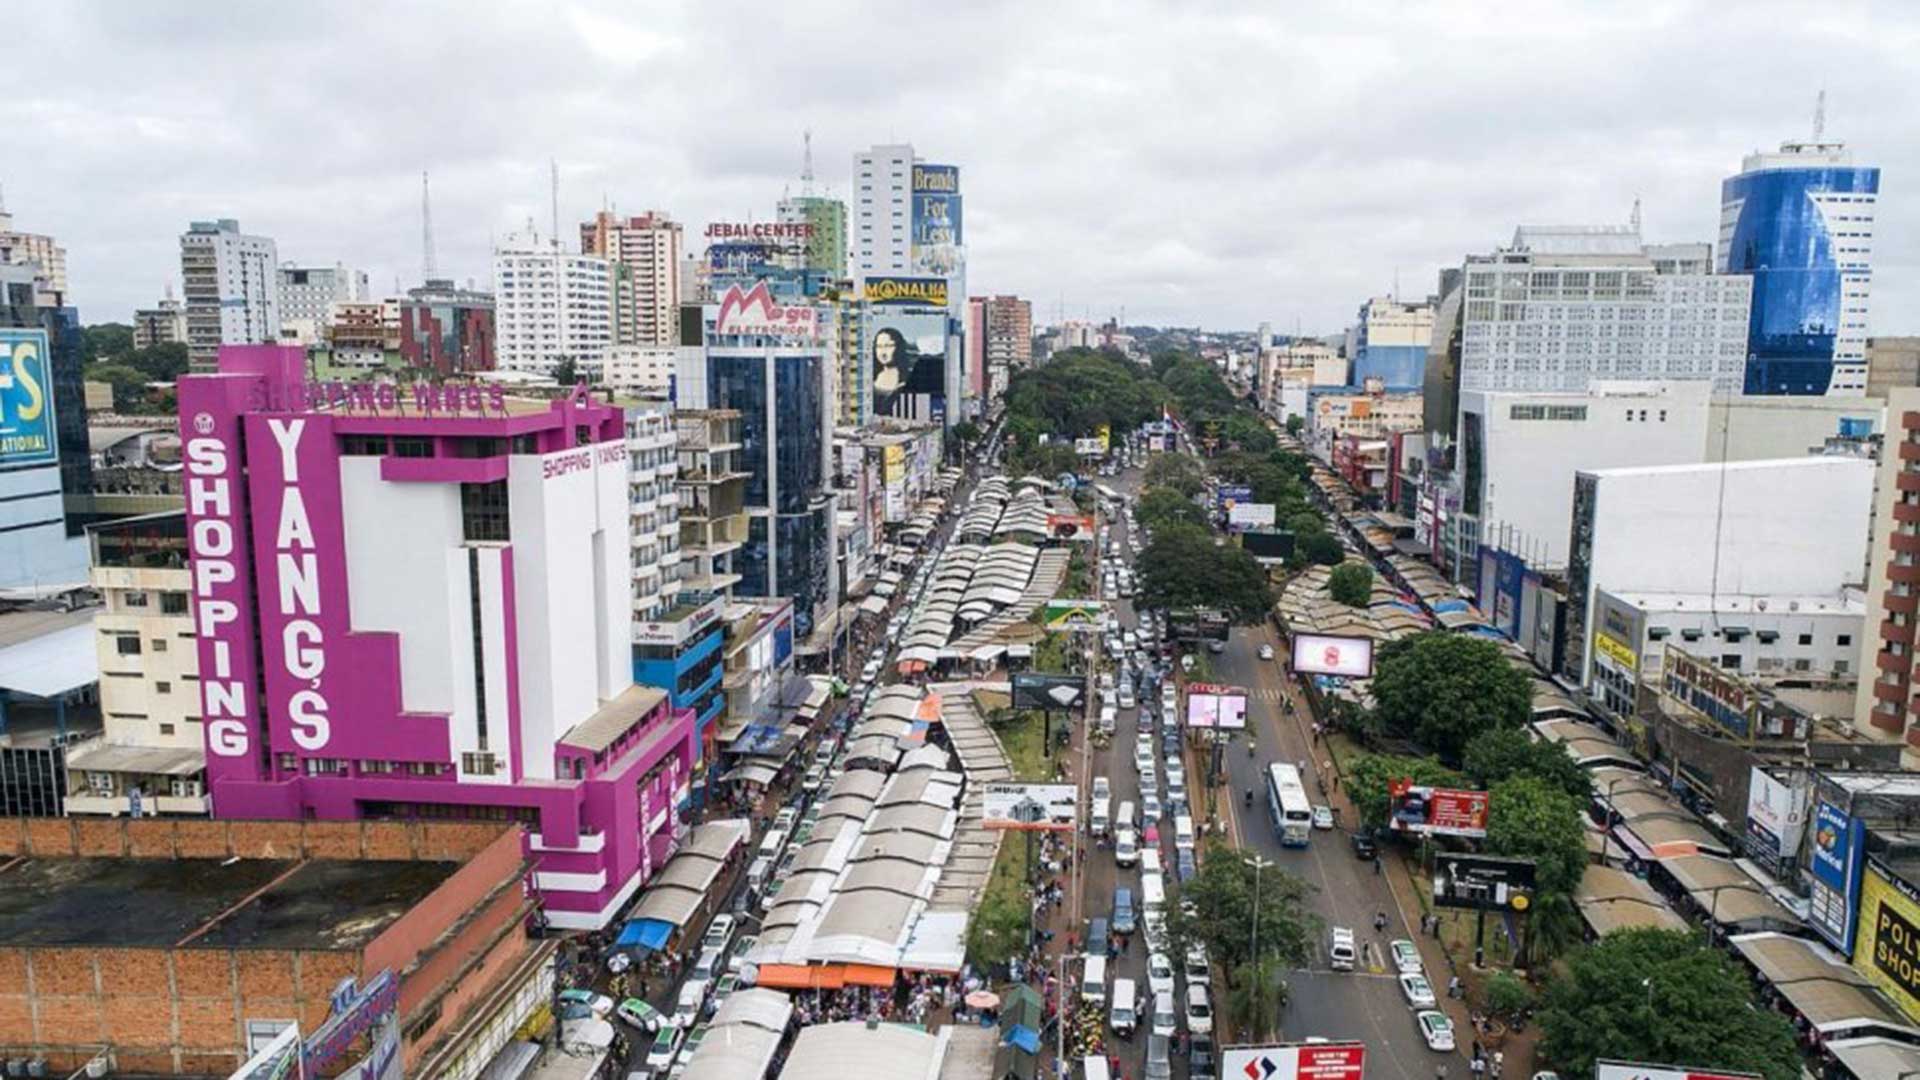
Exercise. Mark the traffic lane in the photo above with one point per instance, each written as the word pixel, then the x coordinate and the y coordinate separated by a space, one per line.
pixel 1367 1004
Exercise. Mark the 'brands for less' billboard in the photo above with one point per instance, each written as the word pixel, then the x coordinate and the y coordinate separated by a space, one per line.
pixel 26 400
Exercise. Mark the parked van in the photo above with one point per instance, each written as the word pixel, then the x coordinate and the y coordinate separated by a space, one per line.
pixel 1153 893
pixel 1093 978
pixel 1123 1017
pixel 1094 1067
pixel 1128 816
pixel 1101 819
pixel 771 843
pixel 758 873
pixel 1341 953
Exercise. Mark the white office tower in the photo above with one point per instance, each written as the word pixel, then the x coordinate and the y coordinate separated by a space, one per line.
pixel 231 282
pixel 307 296
pixel 550 305
pixel 1566 305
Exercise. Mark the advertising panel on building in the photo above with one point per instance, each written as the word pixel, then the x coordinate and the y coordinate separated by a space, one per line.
pixel 1250 515
pixel 1776 818
pixel 936 224
pixel 905 291
pixel 1071 527
pixel 1029 807
pixel 1213 706
pixel 1889 952
pixel 1837 859
pixel 1431 811
pixel 1324 654
pixel 1307 1061
pixel 26 399
pixel 1707 690
pixel 754 310
pixel 906 355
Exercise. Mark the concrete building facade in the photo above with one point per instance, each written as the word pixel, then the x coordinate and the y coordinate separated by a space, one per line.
pixel 41 252
pixel 1390 342
pixel 164 323
pixel 307 297
pixel 230 282
pixel 644 253
pixel 476 664
pixel 1888 686
pixel 550 305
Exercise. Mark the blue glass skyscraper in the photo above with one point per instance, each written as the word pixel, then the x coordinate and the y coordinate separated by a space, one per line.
pixel 1801 223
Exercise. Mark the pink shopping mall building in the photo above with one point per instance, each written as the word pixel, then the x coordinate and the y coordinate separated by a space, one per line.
pixel 413 601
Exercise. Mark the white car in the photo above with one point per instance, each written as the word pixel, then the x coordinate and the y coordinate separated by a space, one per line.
pixel 1323 817
pixel 1436 1029
pixel 665 1047
pixel 1125 697
pixel 1198 970
pixel 1406 957
pixel 1266 652
pixel 814 778
pixel 720 930
pixel 1417 990
pixel 1160 974
pixel 872 670
pixel 1164 1021
pixel 1143 758
pixel 1126 847
pixel 1102 789
pixel 1149 807
pixel 1199 1011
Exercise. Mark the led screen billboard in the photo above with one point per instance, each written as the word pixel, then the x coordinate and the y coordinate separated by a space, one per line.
pixel 906 355
pixel 1323 654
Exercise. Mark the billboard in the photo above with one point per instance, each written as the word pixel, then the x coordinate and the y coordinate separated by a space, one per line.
pixel 1482 882
pixel 1837 859
pixel 936 225
pixel 1213 706
pixel 906 356
pixel 1301 1061
pixel 910 291
pixel 1776 818
pixel 1045 691
pixel 1324 654
pixel 1268 545
pixel 754 311
pixel 1250 515
pixel 940 179
pixel 1079 615
pixel 1432 811
pixel 1635 1070
pixel 1029 807
pixel 1198 624
pixel 26 400
pixel 1889 952
pixel 1088 447
pixel 1227 496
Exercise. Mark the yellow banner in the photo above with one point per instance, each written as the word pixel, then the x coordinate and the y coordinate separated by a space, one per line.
pixel 1616 650
pixel 1888 951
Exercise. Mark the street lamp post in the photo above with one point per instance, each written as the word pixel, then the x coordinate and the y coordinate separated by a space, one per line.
pixel 1253 940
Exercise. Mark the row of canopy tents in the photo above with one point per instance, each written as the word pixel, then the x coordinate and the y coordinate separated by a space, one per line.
pixel 852 907
pixel 969 585
pixel 684 886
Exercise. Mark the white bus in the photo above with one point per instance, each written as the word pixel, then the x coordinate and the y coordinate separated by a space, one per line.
pixel 1287 800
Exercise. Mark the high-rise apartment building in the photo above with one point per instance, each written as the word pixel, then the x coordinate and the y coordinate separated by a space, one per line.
pixel 161 324
pixel 1564 306
pixel 39 251
pixel 1390 342
pixel 1889 692
pixel 307 297
pixel 825 247
pixel 1801 223
pixel 231 282
pixel 1009 339
pixel 476 663
pixel 882 211
pixel 645 285
pixel 550 305
pixel 150 757
pixel 447 329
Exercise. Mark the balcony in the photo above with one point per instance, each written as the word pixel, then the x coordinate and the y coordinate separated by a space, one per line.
pixel 1905 575
pixel 1906 481
pixel 1907 513
pixel 1908 604
pixel 1893 694
pixel 1909 451
pixel 1904 542
pixel 1886 661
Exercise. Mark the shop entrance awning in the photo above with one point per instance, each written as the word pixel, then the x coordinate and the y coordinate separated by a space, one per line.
pixel 644 934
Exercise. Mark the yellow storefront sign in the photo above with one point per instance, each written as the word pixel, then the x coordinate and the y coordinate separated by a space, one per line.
pixel 1888 951
pixel 1616 650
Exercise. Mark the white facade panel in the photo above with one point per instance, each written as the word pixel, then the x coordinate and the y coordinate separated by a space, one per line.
pixel 493 649
pixel 414 589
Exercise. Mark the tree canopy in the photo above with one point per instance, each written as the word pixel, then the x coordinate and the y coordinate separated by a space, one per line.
pixel 1661 995
pixel 1075 392
pixel 1320 548
pixel 1351 583
pixel 1160 506
pixel 1528 818
pixel 1183 567
pixel 1443 689
pixel 1181 472
pixel 1222 895
pixel 1367 781
pixel 109 357
pixel 1500 753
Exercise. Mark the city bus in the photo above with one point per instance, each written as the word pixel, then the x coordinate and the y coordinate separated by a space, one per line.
pixel 1287 800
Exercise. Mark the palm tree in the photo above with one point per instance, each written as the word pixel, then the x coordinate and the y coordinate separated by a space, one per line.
pixel 1554 927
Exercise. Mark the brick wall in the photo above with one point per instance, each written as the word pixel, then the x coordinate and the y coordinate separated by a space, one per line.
pixel 157 838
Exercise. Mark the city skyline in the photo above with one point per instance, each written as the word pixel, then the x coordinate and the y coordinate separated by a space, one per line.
pixel 1306 188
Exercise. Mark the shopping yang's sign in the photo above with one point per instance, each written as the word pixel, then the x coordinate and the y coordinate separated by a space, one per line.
pixel 1834 903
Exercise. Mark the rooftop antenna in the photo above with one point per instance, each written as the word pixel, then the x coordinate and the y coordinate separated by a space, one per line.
pixel 553 179
pixel 806 163
pixel 427 268
pixel 1396 285
pixel 1820 115
pixel 1634 218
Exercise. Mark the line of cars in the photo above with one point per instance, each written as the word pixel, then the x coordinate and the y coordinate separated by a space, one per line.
pixel 1410 972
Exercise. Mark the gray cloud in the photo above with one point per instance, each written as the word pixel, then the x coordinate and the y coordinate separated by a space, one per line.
pixel 1217 163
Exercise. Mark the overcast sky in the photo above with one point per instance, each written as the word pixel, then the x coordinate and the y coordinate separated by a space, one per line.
pixel 1196 163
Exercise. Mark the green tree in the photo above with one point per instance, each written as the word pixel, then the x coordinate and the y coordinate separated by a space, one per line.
pixel 1661 995
pixel 1529 818
pixel 566 372
pixel 1508 995
pixel 1222 898
pixel 1495 755
pixel 1162 506
pixel 1370 774
pixel 1321 549
pixel 1295 424
pixel 1257 994
pixel 1182 473
pixel 104 341
pixel 1183 567
pixel 1554 925
pixel 1351 584
pixel 1443 689
pixel 1249 432
pixel 965 432
pixel 163 362
pixel 129 386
